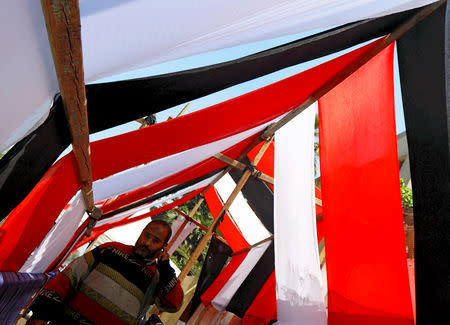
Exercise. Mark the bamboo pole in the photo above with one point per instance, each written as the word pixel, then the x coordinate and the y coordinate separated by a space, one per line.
pixel 252 246
pixel 198 224
pixel 183 110
pixel 62 19
pixel 241 166
pixel 199 249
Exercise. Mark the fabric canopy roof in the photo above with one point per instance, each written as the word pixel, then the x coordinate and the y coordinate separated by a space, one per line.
pixel 113 40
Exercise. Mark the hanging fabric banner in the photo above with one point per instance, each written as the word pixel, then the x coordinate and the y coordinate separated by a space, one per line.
pixel 297 266
pixel 365 240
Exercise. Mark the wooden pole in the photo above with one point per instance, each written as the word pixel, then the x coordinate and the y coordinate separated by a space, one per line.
pixel 241 166
pixel 183 110
pixel 252 246
pixel 201 246
pixel 62 19
pixel 198 224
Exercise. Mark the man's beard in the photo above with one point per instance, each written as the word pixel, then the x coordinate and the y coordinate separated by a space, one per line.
pixel 142 255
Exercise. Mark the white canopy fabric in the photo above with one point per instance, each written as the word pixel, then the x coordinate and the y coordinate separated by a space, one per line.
pixel 122 35
pixel 297 266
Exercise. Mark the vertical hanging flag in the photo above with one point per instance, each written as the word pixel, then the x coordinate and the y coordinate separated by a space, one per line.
pixel 365 240
pixel 297 266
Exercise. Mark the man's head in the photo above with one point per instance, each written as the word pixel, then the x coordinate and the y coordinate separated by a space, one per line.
pixel 153 238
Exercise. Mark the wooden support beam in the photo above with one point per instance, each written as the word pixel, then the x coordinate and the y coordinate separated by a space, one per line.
pixel 201 246
pixel 191 213
pixel 241 166
pixel 252 246
pixel 62 19
pixel 198 224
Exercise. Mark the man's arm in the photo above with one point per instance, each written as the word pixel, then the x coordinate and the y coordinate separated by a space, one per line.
pixel 170 294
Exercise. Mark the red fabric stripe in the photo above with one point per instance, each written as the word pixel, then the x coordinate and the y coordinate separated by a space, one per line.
pixel 227 227
pixel 109 156
pixel 264 308
pixel 365 240
pixel 223 278
pixel 32 219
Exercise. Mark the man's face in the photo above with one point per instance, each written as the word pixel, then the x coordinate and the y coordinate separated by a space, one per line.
pixel 151 240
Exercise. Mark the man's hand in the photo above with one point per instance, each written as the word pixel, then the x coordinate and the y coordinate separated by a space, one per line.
pixel 163 255
pixel 36 322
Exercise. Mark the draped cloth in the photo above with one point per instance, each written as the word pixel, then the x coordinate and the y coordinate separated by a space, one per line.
pixel 16 290
pixel 362 210
pixel 297 266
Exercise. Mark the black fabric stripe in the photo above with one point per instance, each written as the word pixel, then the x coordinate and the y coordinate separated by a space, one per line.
pixel 216 257
pixel 259 197
pixel 114 103
pixel 250 288
pixel 28 160
pixel 424 70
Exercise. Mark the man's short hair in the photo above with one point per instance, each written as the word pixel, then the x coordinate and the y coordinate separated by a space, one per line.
pixel 164 224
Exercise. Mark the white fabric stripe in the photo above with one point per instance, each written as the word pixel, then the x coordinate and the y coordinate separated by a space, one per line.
pixel 137 177
pixel 223 298
pixel 118 36
pixel 109 48
pixel 167 198
pixel 298 276
pixel 183 234
pixel 245 218
pixel 58 237
pixel 114 292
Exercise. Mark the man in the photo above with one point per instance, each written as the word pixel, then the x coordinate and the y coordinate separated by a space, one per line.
pixel 109 284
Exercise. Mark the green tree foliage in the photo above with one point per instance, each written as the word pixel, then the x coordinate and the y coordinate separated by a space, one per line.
pixel 407 198
pixel 184 251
